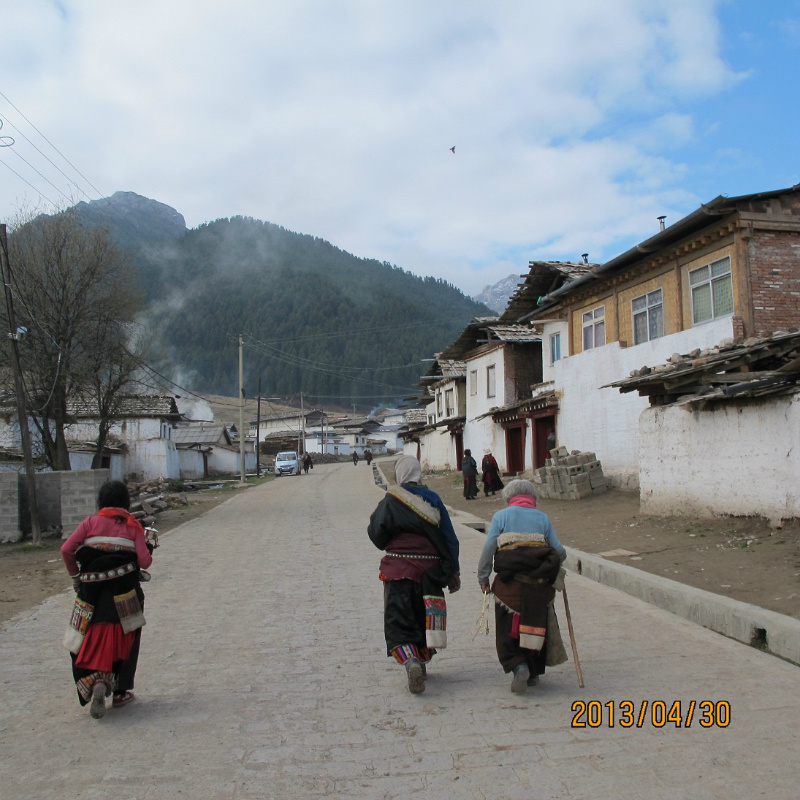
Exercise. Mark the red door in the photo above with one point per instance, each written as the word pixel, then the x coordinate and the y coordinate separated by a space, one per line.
pixel 543 427
pixel 515 449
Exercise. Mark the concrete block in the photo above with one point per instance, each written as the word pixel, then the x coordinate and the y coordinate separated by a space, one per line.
pixel 580 478
pixel 9 508
pixel 576 469
pixel 580 490
pixel 600 490
pixel 597 480
pixel 593 466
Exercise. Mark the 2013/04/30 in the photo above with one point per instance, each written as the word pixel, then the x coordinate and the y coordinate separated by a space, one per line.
pixel 707 713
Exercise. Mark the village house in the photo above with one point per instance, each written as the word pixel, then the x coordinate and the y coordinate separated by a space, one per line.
pixel 392 422
pixel 474 386
pixel 139 444
pixel 284 430
pixel 727 272
pixel 356 434
pixel 206 449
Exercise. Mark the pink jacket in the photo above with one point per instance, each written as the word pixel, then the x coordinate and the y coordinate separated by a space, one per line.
pixel 107 525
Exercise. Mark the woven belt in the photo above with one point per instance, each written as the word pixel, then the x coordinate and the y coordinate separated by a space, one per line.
pixel 532 581
pixel 409 555
pixel 117 572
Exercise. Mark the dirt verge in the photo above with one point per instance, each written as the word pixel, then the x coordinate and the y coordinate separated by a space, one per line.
pixel 31 574
pixel 738 557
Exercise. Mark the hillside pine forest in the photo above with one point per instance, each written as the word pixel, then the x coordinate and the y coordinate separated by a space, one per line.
pixel 340 329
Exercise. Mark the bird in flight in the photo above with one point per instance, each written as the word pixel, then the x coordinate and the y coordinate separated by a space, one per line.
pixel 453 149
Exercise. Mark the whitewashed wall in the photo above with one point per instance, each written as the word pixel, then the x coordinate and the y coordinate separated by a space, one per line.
pixel 228 461
pixel 191 464
pixel 79 462
pixel 154 458
pixel 437 450
pixel 606 421
pixel 734 459
pixel 548 329
pixel 10 437
pixel 484 434
pixel 480 432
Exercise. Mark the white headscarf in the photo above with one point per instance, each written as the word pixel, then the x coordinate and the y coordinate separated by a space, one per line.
pixel 408 470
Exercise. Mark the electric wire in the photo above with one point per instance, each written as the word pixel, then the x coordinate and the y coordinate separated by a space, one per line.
pixel 38 191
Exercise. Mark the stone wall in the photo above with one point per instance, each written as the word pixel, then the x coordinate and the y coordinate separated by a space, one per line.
pixel 9 507
pixel 63 499
pixel 79 496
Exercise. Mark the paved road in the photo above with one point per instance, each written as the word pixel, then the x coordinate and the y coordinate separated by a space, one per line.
pixel 263 675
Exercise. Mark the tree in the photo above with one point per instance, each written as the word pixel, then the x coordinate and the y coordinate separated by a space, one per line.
pixel 75 296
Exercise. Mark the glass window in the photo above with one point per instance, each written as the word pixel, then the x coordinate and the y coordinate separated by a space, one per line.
pixel 490 388
pixel 448 403
pixel 555 347
pixel 648 317
pixel 712 291
pixel 473 382
pixel 594 328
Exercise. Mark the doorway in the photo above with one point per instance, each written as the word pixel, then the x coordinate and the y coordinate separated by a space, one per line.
pixel 543 429
pixel 515 449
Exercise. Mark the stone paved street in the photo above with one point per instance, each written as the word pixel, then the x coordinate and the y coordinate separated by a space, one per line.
pixel 263 675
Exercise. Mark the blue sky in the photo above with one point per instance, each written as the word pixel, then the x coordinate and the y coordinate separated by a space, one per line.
pixel 576 124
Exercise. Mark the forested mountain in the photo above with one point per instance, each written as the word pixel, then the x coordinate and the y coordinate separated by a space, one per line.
pixel 316 319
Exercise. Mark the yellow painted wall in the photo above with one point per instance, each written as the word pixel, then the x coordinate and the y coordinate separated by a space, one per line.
pixel 669 294
pixel 676 300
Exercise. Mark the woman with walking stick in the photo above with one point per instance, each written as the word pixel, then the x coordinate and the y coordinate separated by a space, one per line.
pixel 526 555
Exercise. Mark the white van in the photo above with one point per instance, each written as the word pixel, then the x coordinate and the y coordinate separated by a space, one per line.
pixel 287 463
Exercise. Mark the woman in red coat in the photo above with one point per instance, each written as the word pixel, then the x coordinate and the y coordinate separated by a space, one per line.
pixel 104 558
pixel 491 474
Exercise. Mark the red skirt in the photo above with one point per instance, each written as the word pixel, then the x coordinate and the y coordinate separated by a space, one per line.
pixel 104 644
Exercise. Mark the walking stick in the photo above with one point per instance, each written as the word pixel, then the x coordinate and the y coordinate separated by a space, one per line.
pixel 572 639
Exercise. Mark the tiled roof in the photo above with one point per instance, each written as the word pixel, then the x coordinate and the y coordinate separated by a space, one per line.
pixel 452 368
pixel 510 332
pixel 542 278
pixel 200 433
pixel 416 416
pixel 732 370
pixel 131 406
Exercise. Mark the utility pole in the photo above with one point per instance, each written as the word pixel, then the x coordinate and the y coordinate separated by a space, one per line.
pixel 14 334
pixel 258 430
pixel 301 429
pixel 241 409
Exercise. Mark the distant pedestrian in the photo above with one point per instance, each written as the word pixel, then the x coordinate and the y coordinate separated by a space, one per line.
pixel 491 474
pixel 526 555
pixel 308 463
pixel 355 458
pixel 368 456
pixel 412 526
pixel 469 469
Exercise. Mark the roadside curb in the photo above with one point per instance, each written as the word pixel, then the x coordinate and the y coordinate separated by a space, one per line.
pixel 758 627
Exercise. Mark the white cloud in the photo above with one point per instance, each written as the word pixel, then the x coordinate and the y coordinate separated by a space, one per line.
pixel 336 119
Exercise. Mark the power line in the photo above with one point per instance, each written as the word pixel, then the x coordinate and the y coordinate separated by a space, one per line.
pixel 39 192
